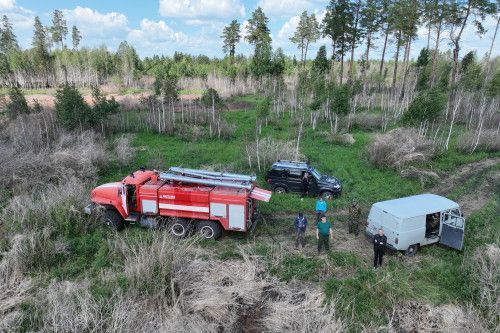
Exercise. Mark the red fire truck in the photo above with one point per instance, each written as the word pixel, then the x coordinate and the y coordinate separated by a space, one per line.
pixel 182 200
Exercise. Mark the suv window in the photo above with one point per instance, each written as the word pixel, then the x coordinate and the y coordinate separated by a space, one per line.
pixel 295 173
pixel 276 173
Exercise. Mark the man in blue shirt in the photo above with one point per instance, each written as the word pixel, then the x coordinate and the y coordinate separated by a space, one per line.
pixel 300 230
pixel 320 208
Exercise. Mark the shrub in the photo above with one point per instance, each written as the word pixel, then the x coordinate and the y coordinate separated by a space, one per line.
pixel 427 105
pixel 341 96
pixel 17 103
pixel 211 97
pixel 368 121
pixel 102 107
pixel 71 110
pixel 399 148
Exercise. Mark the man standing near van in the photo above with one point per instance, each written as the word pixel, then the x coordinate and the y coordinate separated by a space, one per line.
pixel 379 242
pixel 354 214
pixel 323 234
pixel 320 208
pixel 300 230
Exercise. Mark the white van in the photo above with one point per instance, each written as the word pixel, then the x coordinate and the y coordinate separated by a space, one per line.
pixel 416 221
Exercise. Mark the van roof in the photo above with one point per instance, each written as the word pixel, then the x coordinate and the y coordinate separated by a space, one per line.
pixel 416 205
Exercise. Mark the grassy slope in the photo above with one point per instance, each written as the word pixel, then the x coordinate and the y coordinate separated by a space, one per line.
pixel 436 275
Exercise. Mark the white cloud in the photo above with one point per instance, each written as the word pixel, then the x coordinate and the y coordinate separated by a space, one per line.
pixel 290 7
pixel 201 8
pixel 155 32
pixel 288 28
pixel 94 24
pixel 7 4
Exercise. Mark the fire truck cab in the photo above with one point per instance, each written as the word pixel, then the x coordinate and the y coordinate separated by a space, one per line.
pixel 182 200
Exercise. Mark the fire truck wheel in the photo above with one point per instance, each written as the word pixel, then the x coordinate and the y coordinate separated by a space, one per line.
pixel 113 219
pixel 179 228
pixel 209 229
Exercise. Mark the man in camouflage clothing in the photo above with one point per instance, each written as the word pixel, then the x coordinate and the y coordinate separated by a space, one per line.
pixel 354 218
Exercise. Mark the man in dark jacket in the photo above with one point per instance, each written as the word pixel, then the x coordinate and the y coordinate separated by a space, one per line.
pixel 379 242
pixel 305 184
pixel 354 216
pixel 300 230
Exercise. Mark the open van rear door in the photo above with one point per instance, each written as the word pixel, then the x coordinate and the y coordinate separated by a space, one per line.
pixel 452 229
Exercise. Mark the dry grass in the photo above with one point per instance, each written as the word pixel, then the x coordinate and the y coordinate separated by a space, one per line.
pixel 35 152
pixel 399 148
pixel 425 318
pixel 48 208
pixel 485 266
pixel 14 287
pixel 268 150
pixel 488 141
pixel 368 121
pixel 170 290
pixel 124 150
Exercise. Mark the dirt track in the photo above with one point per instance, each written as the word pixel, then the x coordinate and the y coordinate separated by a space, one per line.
pixel 485 177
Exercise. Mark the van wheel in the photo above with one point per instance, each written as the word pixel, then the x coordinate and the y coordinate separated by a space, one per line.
pixel 411 250
pixel 280 189
pixel 179 228
pixel 113 219
pixel 208 229
pixel 326 195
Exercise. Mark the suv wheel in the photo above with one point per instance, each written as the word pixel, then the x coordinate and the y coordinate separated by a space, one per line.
pixel 280 189
pixel 326 195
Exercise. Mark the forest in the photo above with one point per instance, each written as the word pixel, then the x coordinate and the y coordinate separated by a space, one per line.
pixel 385 123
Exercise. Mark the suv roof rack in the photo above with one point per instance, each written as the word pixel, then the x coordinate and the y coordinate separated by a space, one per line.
pixel 291 164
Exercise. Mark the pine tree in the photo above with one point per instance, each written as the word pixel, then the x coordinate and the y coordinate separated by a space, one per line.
pixel 371 22
pixel 307 32
pixel 259 35
pixel 385 22
pixel 41 56
pixel 231 36
pixel 461 12
pixel 8 41
pixel 59 30
pixel 76 37
pixel 320 64
pixel 258 31
pixel 355 32
pixel 336 25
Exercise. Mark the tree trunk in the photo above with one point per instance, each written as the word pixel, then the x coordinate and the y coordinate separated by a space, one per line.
pixel 305 54
pixel 428 36
pixel 342 65
pixel 332 67
pixel 406 59
pixel 436 52
pixel 493 40
pixel 456 42
pixel 396 59
pixel 383 52
pixel 353 41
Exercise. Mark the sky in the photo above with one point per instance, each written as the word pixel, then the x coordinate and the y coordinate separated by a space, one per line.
pixel 194 26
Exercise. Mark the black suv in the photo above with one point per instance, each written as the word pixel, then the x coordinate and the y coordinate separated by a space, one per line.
pixel 286 176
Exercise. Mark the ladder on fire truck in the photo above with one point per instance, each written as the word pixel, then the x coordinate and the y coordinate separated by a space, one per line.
pixel 212 178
